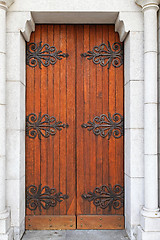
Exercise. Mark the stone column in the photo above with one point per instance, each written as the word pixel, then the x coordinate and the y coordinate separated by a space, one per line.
pixel 150 8
pixel 4 214
pixel 150 215
pixel 3 8
pixel 150 107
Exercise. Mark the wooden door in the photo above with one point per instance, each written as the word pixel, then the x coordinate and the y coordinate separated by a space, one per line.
pixel 74 128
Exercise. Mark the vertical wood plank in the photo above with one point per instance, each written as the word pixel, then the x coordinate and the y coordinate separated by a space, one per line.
pixel 99 140
pixel 29 142
pixel 50 146
pixel 105 143
pixel 56 32
pixel 92 142
pixel 79 118
pixel 86 114
pixel 63 164
pixel 44 110
pixel 119 177
pixel 105 95
pixel 71 119
pixel 112 109
pixel 37 109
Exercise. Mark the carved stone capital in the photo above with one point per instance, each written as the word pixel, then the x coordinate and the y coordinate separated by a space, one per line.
pixel 125 23
pixel 3 5
pixel 28 27
pixel 145 3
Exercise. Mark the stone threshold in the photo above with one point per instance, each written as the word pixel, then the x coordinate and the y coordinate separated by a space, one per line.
pixel 76 235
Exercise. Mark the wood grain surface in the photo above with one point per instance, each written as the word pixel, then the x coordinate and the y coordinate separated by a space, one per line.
pixel 74 161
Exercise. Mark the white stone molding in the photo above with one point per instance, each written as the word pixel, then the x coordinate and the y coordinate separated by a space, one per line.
pixel 5 231
pixel 131 31
pixel 133 146
pixel 19 27
pixel 20 22
pixel 2 102
pixel 120 28
pixel 143 3
pixel 28 28
pixel 125 23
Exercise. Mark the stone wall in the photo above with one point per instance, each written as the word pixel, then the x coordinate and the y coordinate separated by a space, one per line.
pixel 128 20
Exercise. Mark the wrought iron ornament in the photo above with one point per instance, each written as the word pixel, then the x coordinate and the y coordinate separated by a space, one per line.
pixel 38 54
pixel 106 55
pixel 43 197
pixel 106 126
pixel 106 197
pixel 42 125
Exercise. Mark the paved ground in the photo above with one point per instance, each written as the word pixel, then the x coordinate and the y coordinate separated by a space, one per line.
pixel 76 235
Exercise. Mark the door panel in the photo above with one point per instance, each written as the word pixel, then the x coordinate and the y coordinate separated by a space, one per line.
pixel 49 222
pixel 100 91
pixel 50 158
pixel 74 128
pixel 100 222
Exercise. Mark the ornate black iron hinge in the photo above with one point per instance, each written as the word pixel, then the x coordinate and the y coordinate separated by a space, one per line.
pixel 38 54
pixel 42 125
pixel 106 196
pixel 105 55
pixel 106 125
pixel 43 197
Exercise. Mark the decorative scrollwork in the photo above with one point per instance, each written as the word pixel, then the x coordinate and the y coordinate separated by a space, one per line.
pixel 105 55
pixel 42 125
pixel 106 197
pixel 43 197
pixel 106 125
pixel 43 54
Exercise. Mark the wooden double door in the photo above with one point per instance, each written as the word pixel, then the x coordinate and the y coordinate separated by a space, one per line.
pixel 74 128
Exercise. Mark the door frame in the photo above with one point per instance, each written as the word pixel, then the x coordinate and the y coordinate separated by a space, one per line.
pixel 78 203
pixel 132 35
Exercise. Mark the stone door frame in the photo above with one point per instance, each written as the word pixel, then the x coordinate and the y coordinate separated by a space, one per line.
pixel 19 27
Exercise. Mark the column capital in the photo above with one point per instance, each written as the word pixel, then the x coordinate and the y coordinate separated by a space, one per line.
pixel 148 3
pixel 3 5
